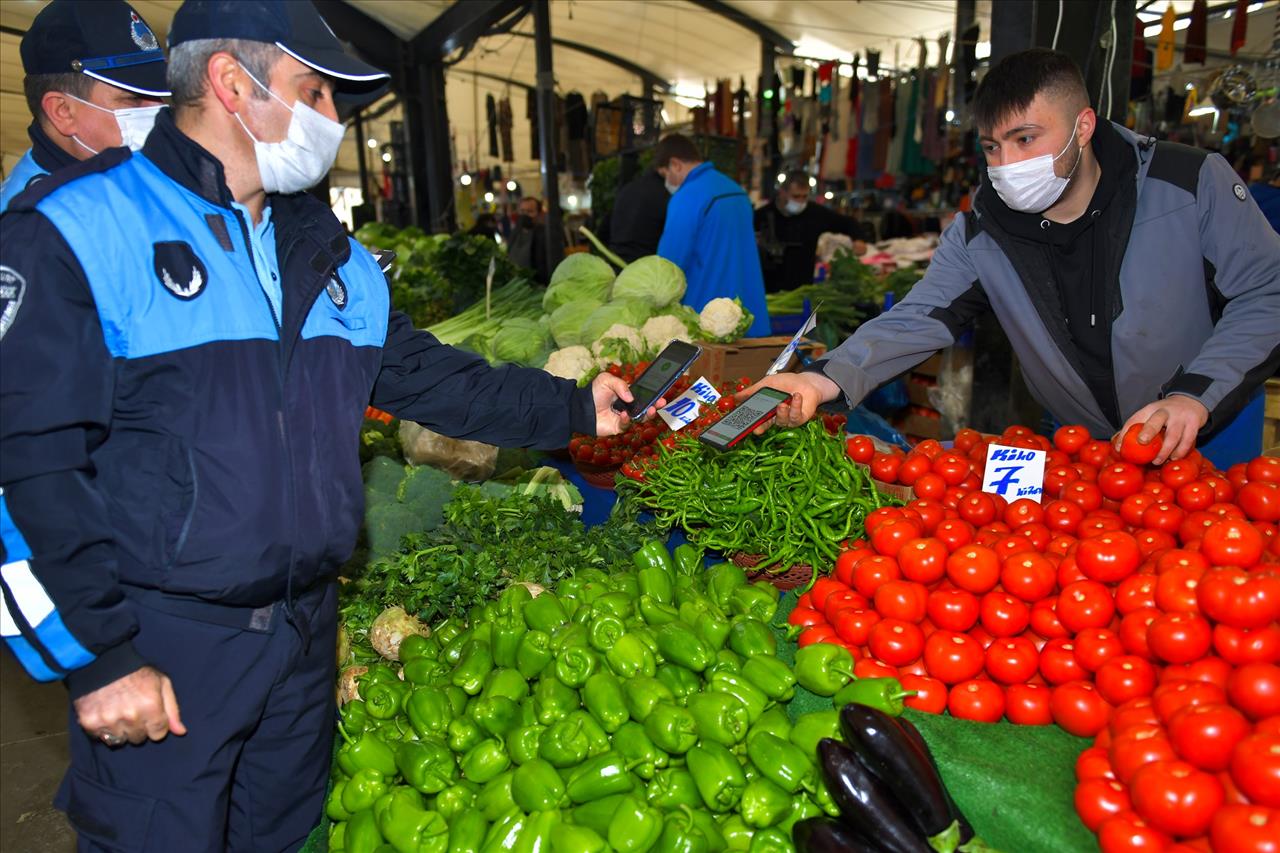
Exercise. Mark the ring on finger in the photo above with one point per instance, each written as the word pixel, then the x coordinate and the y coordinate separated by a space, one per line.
pixel 110 738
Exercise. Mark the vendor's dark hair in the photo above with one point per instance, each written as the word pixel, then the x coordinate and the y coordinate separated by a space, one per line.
pixel 1013 83
pixel 675 147
pixel 796 178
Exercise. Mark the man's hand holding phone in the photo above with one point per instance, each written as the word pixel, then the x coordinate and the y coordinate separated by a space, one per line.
pixel 807 390
pixel 606 389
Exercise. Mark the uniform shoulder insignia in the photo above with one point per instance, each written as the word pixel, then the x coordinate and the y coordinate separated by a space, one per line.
pixel 37 191
pixel 1239 191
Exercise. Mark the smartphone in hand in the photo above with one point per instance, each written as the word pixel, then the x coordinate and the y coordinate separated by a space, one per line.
pixel 663 372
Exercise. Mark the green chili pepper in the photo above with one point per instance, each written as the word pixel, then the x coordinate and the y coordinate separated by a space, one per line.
pixel 553 700
pixel 362 789
pixel 771 841
pixel 427 765
pixel 425 670
pixel 463 734
pixel 672 788
pixel 598 777
pixel 640 752
pixel 823 668
pixel 495 715
pixel 764 804
pixel 642 693
pixel 496 796
pixel 485 760
pixel 564 744
pixel 718 774
pixel 750 637
pixel 533 654
pixel 737 834
pixel 636 827
pixel 681 682
pixel 470 672
pixel 654 612
pixel 522 743
pixel 367 751
pixel 744 691
pixel 575 665
pixel 602 695
pixel 883 694
pixel 568 838
pixel 688 560
pixel 771 676
pixel 721 718
pixel 678 643
pixel 362 835
pixel 630 657
pixel 536 786
pixel 713 629
pixel 455 800
pixel 597 815
pixel 672 728
pixel 333 802
pixel 813 727
pixel 467 831
pixel 781 762
pixel 505 682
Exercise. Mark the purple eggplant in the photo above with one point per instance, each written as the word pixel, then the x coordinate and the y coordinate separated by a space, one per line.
pixel 917 739
pixel 824 835
pixel 866 804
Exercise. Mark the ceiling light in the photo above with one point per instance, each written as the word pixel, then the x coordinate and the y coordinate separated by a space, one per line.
pixel 465 180
pixel 373 143
pixel 781 177
pixel 386 156
pixel 488 198
pixel 573 200
pixel 951 115
pixel 828 195
pixel 511 186
pixel 813 182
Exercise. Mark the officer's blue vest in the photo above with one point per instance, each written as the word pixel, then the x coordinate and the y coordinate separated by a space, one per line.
pixel 26 171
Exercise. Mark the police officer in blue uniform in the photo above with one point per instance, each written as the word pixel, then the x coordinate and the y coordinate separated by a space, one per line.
pixel 187 345
pixel 94 80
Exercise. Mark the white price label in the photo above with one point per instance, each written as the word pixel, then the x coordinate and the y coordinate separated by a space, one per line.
pixel 683 410
pixel 784 358
pixel 1014 473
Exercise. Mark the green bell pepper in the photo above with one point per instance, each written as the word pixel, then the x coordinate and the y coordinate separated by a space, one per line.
pixel 759 601
pixel 644 634
pixel 718 774
pixel 553 700
pixel 782 762
pixel 573 634
pixel 636 827
pixel 722 580
pixel 597 737
pixel 615 604
pixel 536 835
pixel 596 576
pixel 639 750
pixel 425 670
pixel 713 629
pixel 771 841
pixel 503 832
pixel 680 834
pixel 470 672
pixel 338 836
pixel 482 612
pixel 458 699
pixel 456 800
pixel 574 665
pixel 354 716
pixel 598 777
pixel 737 834
pixel 771 676
pixel 427 765
pixel 656 583
pixel 496 796
pixel 545 613
pixel 467 831
pixel 626 582
pixel 630 657
pixel 598 814
pixel 681 682
pixel 721 718
pixel 679 644
pixel 774 721
pixel 533 654
pixel 463 733
pixel 688 560
pixel 362 835
pixel 823 668
pixel 603 631
pixel 654 612
pixel 603 698
pixel 706 822
pixel 514 599
pixel 642 693
pixel 568 838
pixel 813 727
pixel 763 804
pixel 536 786
pixel 744 691
pixel 750 637
pixel 564 744
pixel 883 694
pixel 409 827
pixel 333 807
pixel 447 630
pixel 378 673
pixel 507 682
pixel 369 751
pixel 653 555
pixel 384 700
pixel 672 728
pixel 727 660
pixel 485 760
pixel 672 788
pixel 506 633
pixel 495 715
pixel 452 651
pixel 363 789
pixel 417 646
pixel 522 743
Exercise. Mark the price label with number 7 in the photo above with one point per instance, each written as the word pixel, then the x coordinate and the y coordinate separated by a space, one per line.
pixel 1014 473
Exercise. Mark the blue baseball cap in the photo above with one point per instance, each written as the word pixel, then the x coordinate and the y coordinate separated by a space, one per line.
pixel 294 26
pixel 105 39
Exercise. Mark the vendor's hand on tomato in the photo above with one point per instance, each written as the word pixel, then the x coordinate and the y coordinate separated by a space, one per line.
pixel 607 388
pixel 1181 418
pixel 807 390
pixel 137 707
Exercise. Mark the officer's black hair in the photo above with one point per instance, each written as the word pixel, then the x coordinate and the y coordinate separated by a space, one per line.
pixel 36 86
pixel 1013 83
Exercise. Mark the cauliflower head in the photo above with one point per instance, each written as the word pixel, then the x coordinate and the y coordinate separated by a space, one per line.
pixel 573 362
pixel 724 319
pixel 619 343
pixel 662 330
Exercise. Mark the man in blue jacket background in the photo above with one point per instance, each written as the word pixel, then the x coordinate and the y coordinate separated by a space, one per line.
pixel 709 232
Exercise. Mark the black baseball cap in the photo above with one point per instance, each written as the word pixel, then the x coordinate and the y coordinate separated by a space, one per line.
pixel 294 26
pixel 105 39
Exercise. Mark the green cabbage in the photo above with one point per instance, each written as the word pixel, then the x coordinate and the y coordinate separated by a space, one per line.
pixel 654 279
pixel 628 312
pixel 522 341
pixel 579 276
pixel 566 322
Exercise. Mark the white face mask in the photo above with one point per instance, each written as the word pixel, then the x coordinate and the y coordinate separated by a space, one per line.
pixel 794 208
pixel 1032 186
pixel 134 123
pixel 304 156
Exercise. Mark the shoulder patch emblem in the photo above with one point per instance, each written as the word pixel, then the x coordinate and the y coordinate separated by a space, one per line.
pixel 12 288
pixel 1239 190
pixel 179 270
pixel 337 292
pixel 141 33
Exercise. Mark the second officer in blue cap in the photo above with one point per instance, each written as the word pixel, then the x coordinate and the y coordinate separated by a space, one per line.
pixel 95 75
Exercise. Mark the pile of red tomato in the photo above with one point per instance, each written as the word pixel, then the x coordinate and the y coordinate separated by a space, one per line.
pixel 1138 605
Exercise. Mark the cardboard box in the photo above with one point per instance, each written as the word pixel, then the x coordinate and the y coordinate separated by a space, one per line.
pixel 749 357
pixel 921 426
pixel 918 392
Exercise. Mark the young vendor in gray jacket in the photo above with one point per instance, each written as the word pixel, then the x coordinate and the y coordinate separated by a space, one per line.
pixel 1137 280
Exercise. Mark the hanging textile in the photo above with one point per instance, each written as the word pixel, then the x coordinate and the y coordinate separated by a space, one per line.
pixel 913 161
pixel 903 126
pixel 531 113
pixel 491 116
pixel 1194 50
pixel 575 113
pixel 740 100
pixel 933 144
pixel 1165 42
pixel 835 145
pixel 873 63
pixel 1239 25
pixel 884 130
pixel 854 124
pixel 562 134
pixel 870 107
pixel 504 129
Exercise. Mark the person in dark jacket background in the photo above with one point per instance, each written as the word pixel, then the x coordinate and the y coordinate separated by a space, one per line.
pixel 187 344
pixel 528 242
pixel 639 214
pixel 1137 280
pixel 788 229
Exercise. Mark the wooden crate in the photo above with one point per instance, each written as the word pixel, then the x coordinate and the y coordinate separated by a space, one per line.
pixel 749 357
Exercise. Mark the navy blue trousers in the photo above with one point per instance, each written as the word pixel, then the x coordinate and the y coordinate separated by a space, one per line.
pixel 250 774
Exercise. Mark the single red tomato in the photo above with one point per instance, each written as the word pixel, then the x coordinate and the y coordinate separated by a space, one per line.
pixel 1173 696
pixel 843 599
pixel 1135 451
pixel 1023 511
pixel 1058 662
pixel 1096 453
pixel 1083 494
pixel 1133 748
pixel 1030 577
pixel 1255 689
pixel 952 657
pixel 966 438
pixel 923 560
pixel 1197 495
pixel 1232 542
pixel 1085 604
pixel 895 642
pixel 1128 833
pixel 1238 646
pixel 1132 507
pixel 1177 590
pixel 1119 480
pixel 953 609
pixel 860 448
pixel 1255 768
pixel 1095 646
pixel 1123 678
pixel 845 563
pixel 1179 637
pixel 1241 599
pixel 873 572
pixel 1179 473
pixel 1206 734
pixel 1078 708
pixel 903 600
pixel 1109 557
pixel 1264 468
pixel 889 537
pixel 1012 660
pixel 1175 797
pixel 1069 439
pixel 1133 631
pixel 1135 713
pixel 1165 517
pixel 885 467
pixel 974 568
pixel 913 467
pixel 854 626
pixel 1027 705
pixel 1044 619
pixel 871 668
pixel 1154 542
pixel 982 701
pixel 1260 501
pixel 1099 799
pixel 817 634
pixel 1003 615
pixel 931 694
pixel 955 533
pixel 1245 829
pixel 1212 669
pixel 1093 763
pixel 930 486
pixel 1135 592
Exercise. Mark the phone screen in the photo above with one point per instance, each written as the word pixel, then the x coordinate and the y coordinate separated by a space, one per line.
pixel 669 366
pixel 725 432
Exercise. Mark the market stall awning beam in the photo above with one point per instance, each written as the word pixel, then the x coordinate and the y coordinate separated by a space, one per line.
pixel 371 39
pixel 742 19
pixel 460 25
pixel 649 79
pixel 553 228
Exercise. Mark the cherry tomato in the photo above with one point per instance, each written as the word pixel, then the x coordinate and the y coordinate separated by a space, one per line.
pixel 982 701
pixel 1134 451
pixel 1245 829
pixel 1123 678
pixel 1173 696
pixel 931 694
pixel 1058 662
pixel 1027 705
pixel 1012 660
pixel 1093 763
pixel 974 568
pixel 1232 542
pixel 1099 799
pixel 1095 646
pixel 923 560
pixel 952 657
pixel 1238 646
pixel 901 600
pixel 1179 637
pixel 1109 557
pixel 1255 689
pixel 1085 604
pixel 1079 708
pixel 1175 797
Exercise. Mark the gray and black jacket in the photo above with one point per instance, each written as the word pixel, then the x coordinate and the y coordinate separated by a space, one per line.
pixel 1197 310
